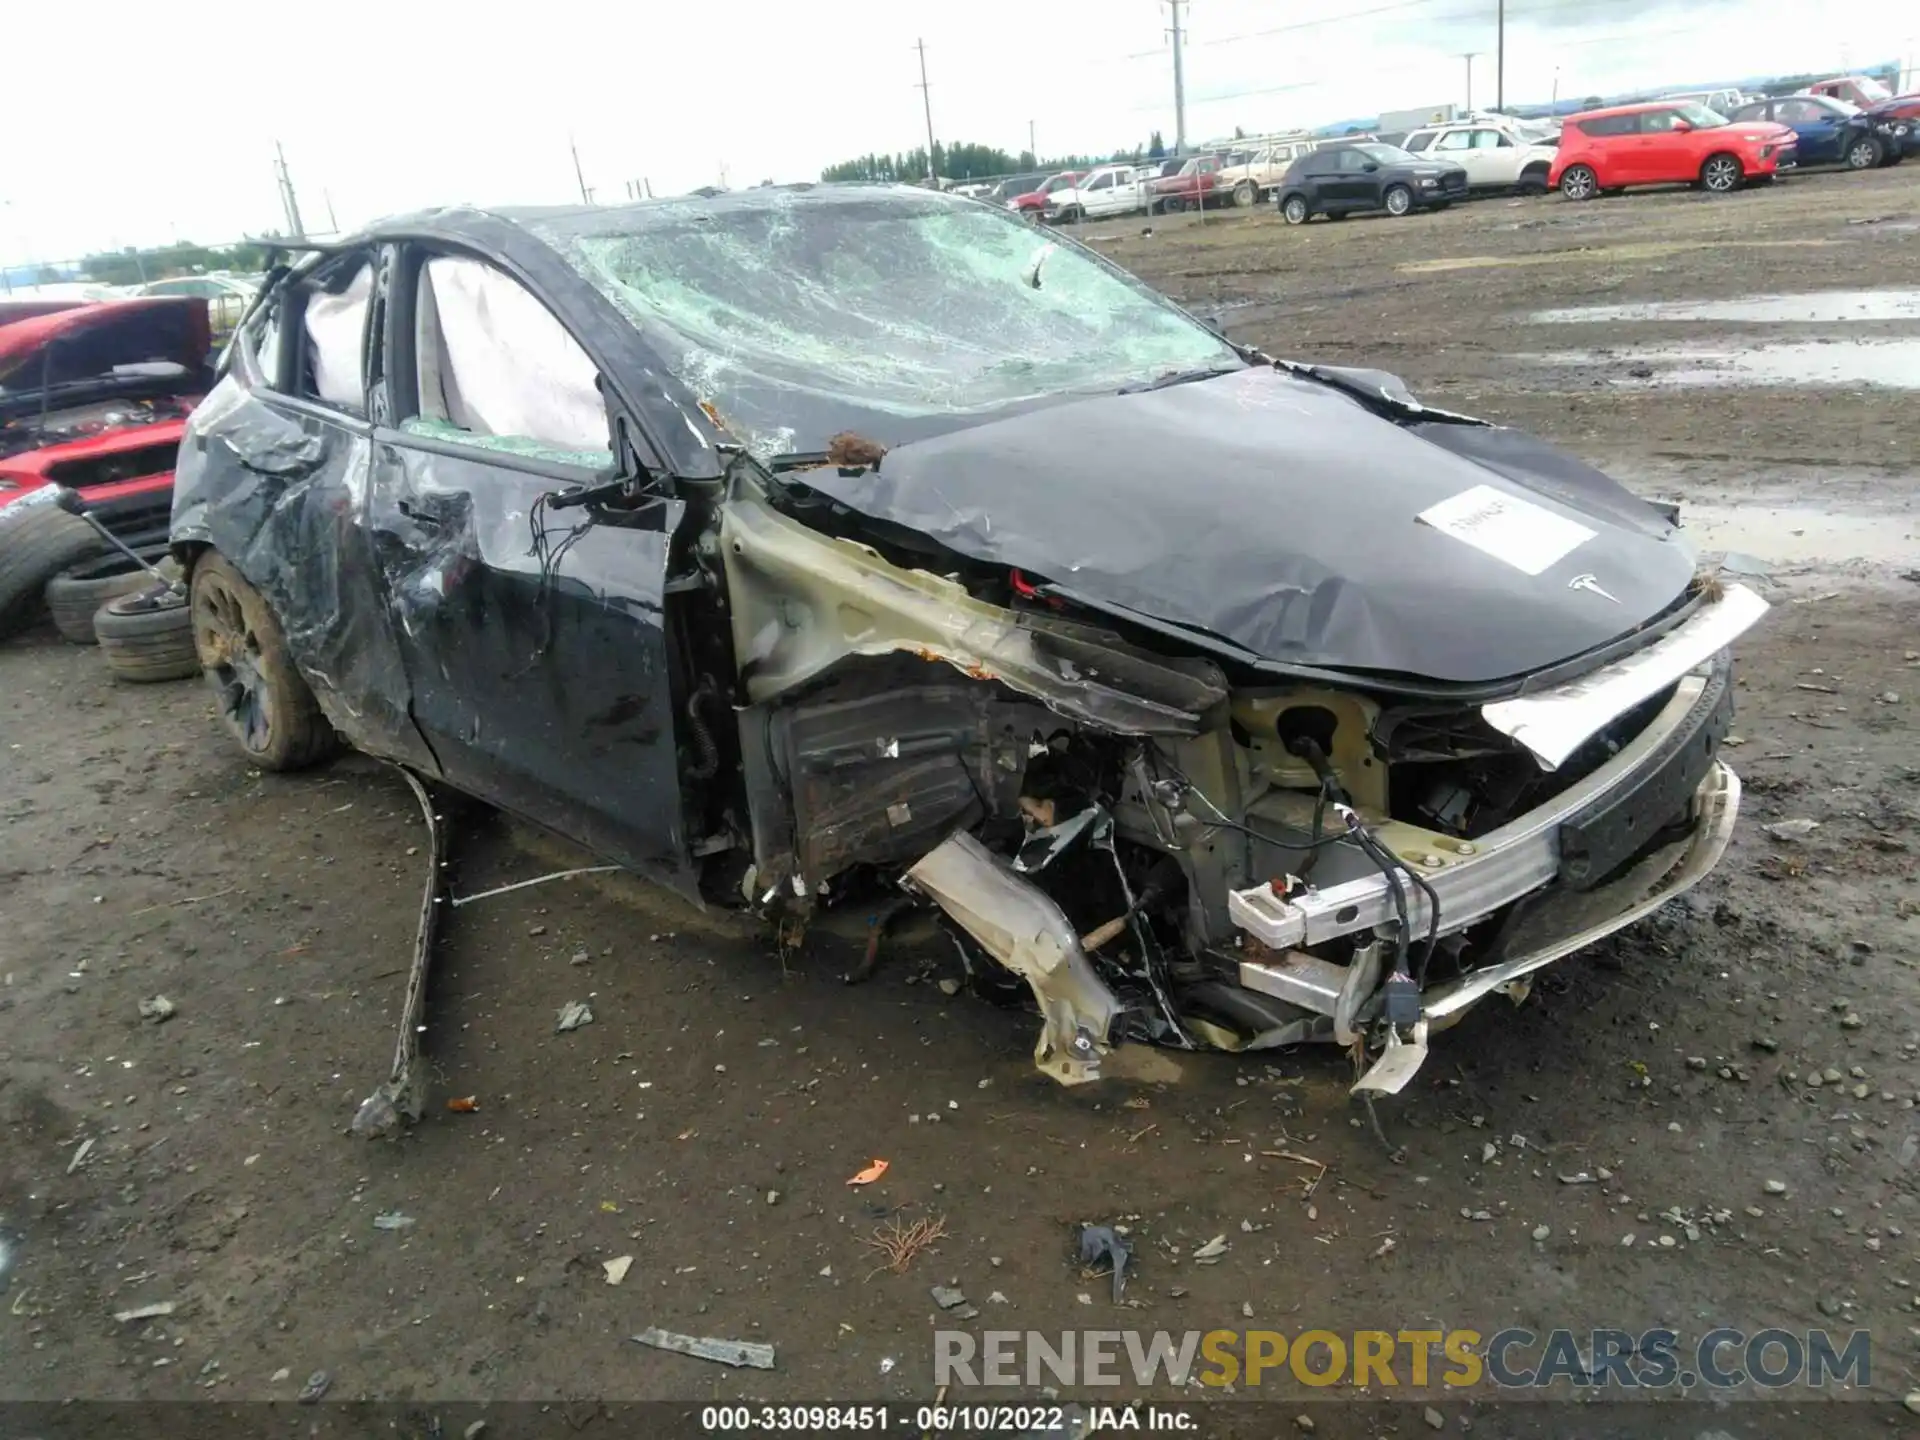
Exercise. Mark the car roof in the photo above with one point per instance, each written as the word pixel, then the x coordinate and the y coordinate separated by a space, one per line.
pixel 1637 108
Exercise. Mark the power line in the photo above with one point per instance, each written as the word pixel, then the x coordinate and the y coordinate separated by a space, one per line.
pixel 1244 94
pixel 1478 12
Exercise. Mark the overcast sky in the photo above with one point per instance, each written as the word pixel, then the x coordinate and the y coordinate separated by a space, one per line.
pixel 141 134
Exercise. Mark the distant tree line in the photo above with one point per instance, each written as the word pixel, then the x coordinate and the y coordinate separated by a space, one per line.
pixel 163 262
pixel 976 162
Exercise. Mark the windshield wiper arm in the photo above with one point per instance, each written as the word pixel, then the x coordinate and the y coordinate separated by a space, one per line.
pixel 1179 377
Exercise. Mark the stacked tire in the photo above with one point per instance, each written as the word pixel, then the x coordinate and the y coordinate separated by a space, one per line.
pixel 37 542
pixel 76 594
pixel 147 636
pixel 53 560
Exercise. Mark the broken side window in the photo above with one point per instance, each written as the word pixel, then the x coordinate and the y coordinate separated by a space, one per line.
pixel 498 371
pixel 336 328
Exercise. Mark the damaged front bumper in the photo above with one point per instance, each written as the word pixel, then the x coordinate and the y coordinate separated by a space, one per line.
pixel 1637 830
pixel 1641 829
pixel 1587 828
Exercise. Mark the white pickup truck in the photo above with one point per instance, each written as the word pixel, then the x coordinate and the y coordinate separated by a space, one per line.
pixel 1109 190
pixel 1495 156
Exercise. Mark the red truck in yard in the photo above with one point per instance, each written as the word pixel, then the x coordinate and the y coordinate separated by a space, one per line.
pixel 1194 186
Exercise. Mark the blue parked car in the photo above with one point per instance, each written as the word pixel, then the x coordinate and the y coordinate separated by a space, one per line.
pixel 1831 132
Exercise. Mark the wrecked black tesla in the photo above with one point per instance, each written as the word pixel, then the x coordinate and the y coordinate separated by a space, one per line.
pixel 782 543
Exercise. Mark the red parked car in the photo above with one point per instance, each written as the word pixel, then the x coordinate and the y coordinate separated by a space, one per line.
pixel 1035 201
pixel 95 397
pixel 1666 142
pixel 1192 187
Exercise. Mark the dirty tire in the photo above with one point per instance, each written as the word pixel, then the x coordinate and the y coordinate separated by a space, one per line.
pixel 1863 154
pixel 1578 182
pixel 1721 174
pixel 1295 210
pixel 147 637
pixel 76 594
pixel 1174 204
pixel 264 702
pixel 1244 195
pixel 35 545
pixel 1533 181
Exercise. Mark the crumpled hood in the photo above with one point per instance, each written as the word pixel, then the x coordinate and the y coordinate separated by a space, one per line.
pixel 1287 517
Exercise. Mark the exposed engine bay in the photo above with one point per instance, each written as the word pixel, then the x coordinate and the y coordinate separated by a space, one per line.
pixel 1115 825
pixel 80 422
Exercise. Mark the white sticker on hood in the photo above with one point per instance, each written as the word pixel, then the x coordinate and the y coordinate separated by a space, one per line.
pixel 1526 536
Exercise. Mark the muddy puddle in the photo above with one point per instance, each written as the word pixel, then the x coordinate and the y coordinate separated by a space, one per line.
pixel 1825 307
pixel 1800 535
pixel 1880 362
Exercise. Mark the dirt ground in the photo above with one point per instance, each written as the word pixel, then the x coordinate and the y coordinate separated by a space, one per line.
pixel 706 1121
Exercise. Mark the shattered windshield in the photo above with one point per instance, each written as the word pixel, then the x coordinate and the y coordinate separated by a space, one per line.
pixel 896 314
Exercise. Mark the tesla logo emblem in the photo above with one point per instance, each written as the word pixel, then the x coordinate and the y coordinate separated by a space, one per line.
pixel 1592 585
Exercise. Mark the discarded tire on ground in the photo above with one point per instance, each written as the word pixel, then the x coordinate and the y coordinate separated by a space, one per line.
pixel 75 595
pixel 36 544
pixel 148 636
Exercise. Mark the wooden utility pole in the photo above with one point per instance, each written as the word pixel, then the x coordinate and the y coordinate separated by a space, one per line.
pixel 1179 80
pixel 1500 60
pixel 926 103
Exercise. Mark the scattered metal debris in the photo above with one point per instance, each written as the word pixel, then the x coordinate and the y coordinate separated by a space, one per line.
pixel 1212 1250
pixel 902 1244
pixel 726 1352
pixel 318 1383
pixel 80 1156
pixel 392 1220
pixel 617 1268
pixel 155 1311
pixel 946 1297
pixel 867 1176
pixel 573 1015
pixel 403 1096
pixel 460 900
pixel 1103 1242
